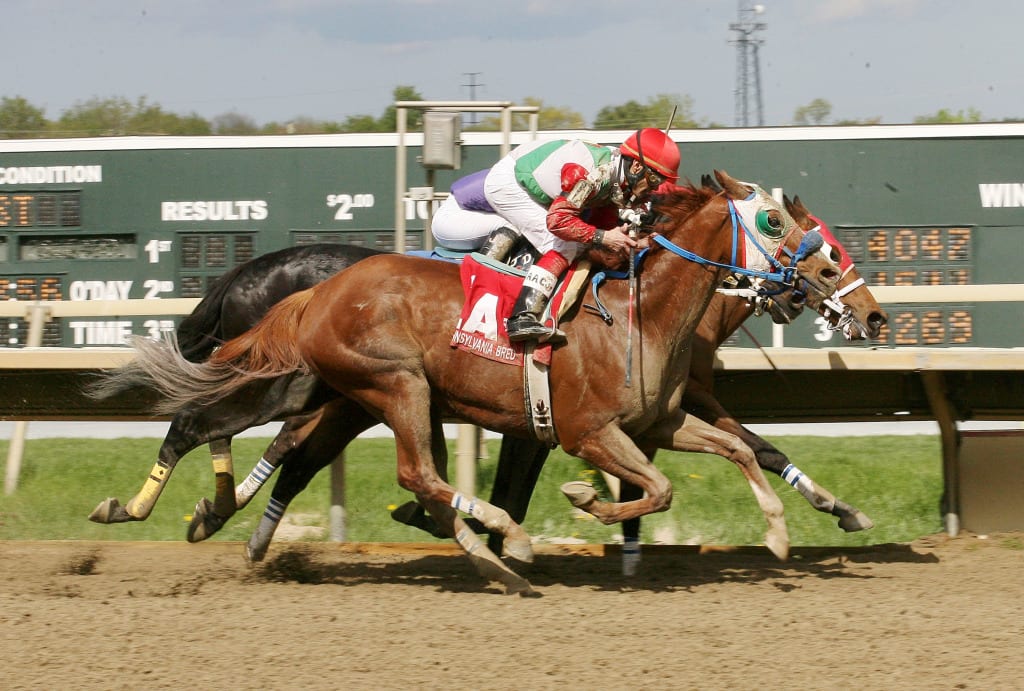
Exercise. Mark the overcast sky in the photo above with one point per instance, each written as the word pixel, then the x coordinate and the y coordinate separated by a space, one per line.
pixel 273 60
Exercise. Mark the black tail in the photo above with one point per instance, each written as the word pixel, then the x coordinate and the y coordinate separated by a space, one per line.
pixel 200 332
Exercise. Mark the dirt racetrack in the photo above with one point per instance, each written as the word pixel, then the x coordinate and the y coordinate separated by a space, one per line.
pixel 938 614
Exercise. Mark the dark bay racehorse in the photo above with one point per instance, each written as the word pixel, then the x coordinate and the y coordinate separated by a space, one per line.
pixel 370 333
pixel 236 301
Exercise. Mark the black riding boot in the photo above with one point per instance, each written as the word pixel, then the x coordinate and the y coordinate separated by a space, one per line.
pixel 499 243
pixel 525 324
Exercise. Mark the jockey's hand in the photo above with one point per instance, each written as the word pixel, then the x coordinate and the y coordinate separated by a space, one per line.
pixel 617 239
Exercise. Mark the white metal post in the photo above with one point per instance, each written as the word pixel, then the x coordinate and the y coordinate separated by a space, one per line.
pixel 38 314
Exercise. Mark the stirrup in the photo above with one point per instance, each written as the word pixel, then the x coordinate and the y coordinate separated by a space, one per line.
pixel 526 327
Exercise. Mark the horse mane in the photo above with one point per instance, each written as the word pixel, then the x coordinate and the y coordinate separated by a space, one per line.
pixel 680 201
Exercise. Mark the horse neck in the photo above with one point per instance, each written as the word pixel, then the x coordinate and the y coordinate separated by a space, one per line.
pixel 677 310
pixel 725 314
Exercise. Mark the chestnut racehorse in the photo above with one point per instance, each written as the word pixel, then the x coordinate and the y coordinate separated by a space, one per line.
pixel 520 462
pixel 372 333
pixel 238 298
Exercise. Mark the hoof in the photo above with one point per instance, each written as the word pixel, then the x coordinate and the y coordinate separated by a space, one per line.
pixel 523 589
pixel 493 570
pixel 412 514
pixel 855 520
pixel 204 521
pixel 580 494
pixel 255 552
pixel 110 511
pixel 777 545
pixel 519 549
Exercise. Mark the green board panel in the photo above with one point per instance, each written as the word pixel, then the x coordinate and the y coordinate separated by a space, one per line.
pixel 162 217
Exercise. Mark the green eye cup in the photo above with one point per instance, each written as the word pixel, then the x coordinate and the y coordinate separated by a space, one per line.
pixel 764 225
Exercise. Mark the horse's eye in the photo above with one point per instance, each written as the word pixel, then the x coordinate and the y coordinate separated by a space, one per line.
pixel 774 219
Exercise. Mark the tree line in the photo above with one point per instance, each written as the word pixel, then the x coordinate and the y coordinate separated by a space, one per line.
pixel 119 116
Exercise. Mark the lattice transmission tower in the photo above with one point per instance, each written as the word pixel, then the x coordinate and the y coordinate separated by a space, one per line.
pixel 748 66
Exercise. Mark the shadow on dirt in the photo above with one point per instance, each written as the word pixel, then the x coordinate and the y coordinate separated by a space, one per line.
pixel 662 569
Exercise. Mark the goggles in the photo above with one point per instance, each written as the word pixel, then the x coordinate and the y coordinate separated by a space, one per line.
pixel 654 179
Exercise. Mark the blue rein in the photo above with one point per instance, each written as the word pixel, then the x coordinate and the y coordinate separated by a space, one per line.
pixel 811 243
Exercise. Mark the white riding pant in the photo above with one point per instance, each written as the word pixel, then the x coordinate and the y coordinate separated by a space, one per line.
pixel 458 229
pixel 523 212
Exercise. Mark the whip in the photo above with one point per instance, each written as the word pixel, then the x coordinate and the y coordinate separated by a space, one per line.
pixel 634 223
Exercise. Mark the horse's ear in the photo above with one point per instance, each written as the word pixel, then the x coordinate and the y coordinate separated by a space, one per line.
pixel 794 208
pixel 799 205
pixel 709 182
pixel 732 187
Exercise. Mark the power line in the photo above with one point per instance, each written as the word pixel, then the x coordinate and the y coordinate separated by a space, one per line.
pixel 473 84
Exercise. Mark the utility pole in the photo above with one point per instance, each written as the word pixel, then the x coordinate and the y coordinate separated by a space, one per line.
pixel 472 91
pixel 748 67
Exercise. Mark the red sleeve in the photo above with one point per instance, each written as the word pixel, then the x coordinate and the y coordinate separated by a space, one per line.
pixel 564 222
pixel 571 174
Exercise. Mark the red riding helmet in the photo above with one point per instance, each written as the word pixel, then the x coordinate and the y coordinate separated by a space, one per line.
pixel 654 149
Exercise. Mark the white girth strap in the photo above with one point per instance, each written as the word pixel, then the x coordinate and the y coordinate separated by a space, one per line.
pixel 538 397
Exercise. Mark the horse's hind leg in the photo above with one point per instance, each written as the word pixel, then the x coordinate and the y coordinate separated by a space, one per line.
pixel 519 465
pixel 308 445
pixel 420 452
pixel 180 435
pixel 194 426
pixel 209 517
pixel 293 434
pixel 404 403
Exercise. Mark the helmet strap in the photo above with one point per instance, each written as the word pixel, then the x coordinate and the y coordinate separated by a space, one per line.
pixel 632 179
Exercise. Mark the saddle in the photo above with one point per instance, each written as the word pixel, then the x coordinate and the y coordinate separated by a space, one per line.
pixel 491 289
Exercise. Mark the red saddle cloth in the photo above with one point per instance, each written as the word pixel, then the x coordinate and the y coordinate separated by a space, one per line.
pixel 490 295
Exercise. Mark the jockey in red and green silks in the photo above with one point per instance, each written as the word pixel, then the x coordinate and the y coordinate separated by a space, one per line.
pixel 564 196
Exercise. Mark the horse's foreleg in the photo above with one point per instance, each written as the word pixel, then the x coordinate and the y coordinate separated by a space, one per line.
pixel 630 531
pixel 684 432
pixel 851 519
pixel 519 465
pixel 610 450
pixel 699 400
pixel 631 551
